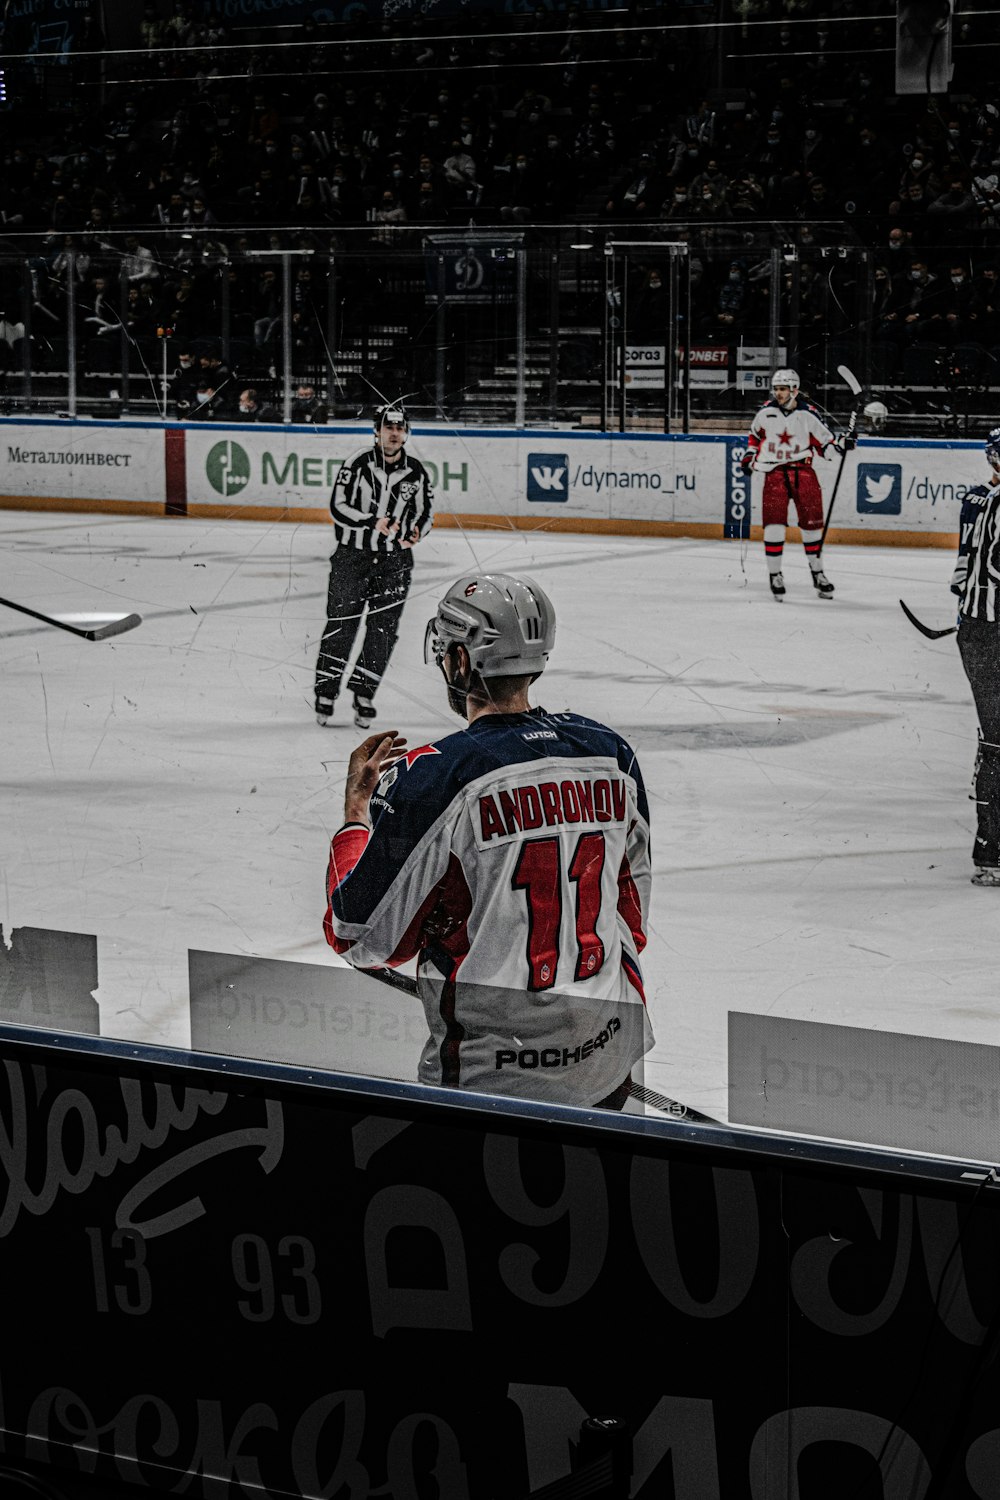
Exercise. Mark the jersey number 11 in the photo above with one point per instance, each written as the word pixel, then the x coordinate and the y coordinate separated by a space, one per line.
pixel 539 874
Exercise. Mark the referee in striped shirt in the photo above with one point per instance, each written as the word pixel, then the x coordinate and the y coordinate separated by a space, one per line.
pixel 382 506
pixel 979 645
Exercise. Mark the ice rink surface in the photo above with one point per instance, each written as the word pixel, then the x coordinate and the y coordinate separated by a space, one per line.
pixel 808 765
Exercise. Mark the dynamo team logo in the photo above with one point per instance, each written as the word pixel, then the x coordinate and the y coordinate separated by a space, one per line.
pixel 880 489
pixel 227 468
pixel 548 476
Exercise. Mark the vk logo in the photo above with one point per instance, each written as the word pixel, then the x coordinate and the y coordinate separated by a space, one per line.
pixel 880 489
pixel 548 476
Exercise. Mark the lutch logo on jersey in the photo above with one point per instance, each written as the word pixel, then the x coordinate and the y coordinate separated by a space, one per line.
pixel 548 476
pixel 880 489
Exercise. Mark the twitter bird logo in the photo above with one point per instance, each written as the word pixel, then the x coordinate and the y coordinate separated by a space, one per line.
pixel 880 489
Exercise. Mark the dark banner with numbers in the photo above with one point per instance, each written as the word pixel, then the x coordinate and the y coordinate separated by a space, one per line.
pixel 242 1279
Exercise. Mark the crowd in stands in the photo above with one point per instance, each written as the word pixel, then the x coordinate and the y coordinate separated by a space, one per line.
pixel 208 141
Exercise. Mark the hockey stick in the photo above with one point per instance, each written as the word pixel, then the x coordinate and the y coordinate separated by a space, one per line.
pixel 683 1113
pixel 932 635
pixel 112 624
pixel 855 385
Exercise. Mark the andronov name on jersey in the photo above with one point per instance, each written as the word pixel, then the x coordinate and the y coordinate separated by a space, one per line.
pixel 508 813
pixel 557 1057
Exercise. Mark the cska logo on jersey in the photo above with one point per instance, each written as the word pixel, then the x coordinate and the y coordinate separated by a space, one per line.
pixel 412 755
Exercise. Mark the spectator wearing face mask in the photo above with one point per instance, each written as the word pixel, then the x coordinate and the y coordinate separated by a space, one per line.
pixel 428 206
pixel 710 205
pixel 917 170
pixel 913 211
pixel 812 152
pixel 922 307
pixel 677 205
pixel 710 176
pixel 773 155
pixel 961 306
pixel 884 296
pixel 731 301
pixel 308 407
pixel 650 305
pixel 531 120
pixel 954 212
pixel 250 408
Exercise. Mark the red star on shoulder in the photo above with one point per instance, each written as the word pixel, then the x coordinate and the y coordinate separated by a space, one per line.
pixel 785 438
pixel 412 755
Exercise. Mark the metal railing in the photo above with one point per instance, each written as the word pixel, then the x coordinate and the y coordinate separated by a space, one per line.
pixel 673 326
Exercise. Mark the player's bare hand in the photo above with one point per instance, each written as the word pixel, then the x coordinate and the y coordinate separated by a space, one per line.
pixel 385 527
pixel 367 763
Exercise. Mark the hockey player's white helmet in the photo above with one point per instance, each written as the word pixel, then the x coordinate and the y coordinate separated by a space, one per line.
pixel 507 625
pixel 992 447
pixel 785 377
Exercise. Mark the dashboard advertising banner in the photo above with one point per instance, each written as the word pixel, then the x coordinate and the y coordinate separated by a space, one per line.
pixel 889 490
pixel 243 1279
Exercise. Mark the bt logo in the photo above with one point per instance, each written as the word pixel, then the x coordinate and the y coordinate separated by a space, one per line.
pixel 880 489
pixel 548 476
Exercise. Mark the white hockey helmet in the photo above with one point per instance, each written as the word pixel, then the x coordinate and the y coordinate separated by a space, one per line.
pixel 785 377
pixel 992 448
pixel 507 625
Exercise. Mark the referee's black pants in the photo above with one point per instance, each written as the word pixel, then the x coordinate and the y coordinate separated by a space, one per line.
pixel 366 590
pixel 979 646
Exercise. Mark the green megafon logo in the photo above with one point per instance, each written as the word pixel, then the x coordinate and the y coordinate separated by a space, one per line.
pixel 228 468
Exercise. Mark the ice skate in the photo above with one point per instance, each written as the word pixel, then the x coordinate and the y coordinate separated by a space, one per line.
pixel 822 584
pixel 986 875
pixel 364 711
pixel 324 711
pixel 777 583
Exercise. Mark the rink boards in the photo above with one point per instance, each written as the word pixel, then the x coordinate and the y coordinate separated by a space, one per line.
pixel 906 492
pixel 304 1282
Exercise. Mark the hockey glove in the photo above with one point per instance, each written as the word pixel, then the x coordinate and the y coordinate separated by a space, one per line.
pixel 845 443
pixel 746 462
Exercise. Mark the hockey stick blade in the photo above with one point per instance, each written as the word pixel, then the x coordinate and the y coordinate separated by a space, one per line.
pixel 932 635
pixel 849 379
pixel 682 1113
pixel 108 624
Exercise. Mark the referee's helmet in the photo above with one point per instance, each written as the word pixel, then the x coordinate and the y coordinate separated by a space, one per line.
pixel 391 411
pixel 992 447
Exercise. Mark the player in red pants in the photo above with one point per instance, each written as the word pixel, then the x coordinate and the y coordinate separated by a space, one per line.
pixel 785 436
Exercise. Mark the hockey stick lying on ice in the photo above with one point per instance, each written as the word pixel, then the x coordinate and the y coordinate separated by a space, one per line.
pixel 855 385
pixel 683 1113
pixel 932 635
pixel 103 626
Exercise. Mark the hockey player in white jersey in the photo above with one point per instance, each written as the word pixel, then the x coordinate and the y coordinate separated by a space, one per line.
pixel 511 859
pixel 785 436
